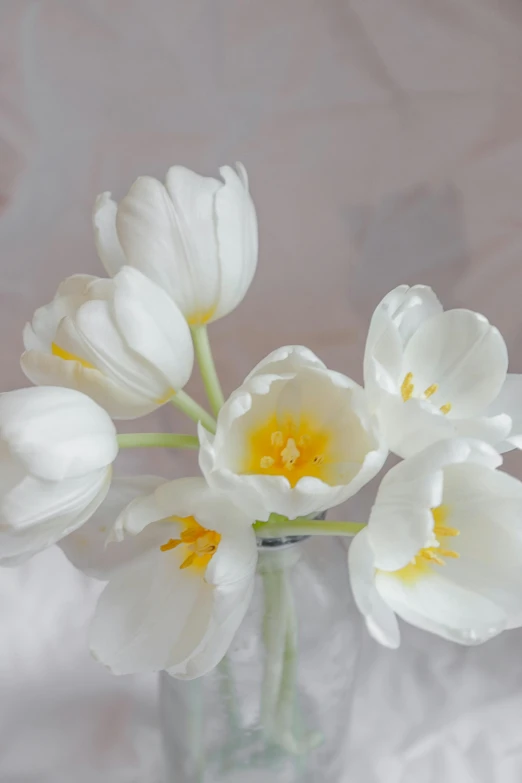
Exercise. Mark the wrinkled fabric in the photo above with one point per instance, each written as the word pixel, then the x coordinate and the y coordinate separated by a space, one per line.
pixel 383 142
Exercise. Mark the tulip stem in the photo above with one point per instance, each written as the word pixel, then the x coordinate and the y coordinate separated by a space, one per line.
pixel 207 367
pixel 157 439
pixel 193 410
pixel 305 527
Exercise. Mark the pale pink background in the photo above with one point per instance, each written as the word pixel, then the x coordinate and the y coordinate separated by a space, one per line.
pixel 384 144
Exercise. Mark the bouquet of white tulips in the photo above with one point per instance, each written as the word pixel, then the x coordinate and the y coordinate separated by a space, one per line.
pixel 442 548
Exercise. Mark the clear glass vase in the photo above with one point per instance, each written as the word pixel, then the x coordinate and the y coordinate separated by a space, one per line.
pixel 277 709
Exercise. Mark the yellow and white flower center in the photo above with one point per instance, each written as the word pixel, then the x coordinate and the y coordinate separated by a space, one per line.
pixel 288 448
pixel 200 543
pixel 437 550
pixel 408 390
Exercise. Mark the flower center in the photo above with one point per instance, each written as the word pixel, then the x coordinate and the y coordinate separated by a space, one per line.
pixel 288 448
pixel 435 552
pixel 408 389
pixel 200 544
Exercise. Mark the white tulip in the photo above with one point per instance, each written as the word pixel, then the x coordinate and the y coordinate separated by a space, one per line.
pixel 177 603
pixel 443 547
pixel 123 342
pixel 57 446
pixel 432 374
pixel 195 236
pixel 294 439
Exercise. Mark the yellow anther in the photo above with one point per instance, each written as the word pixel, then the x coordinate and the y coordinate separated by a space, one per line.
pixel 448 553
pixel 171 544
pixel 445 408
pixel 442 530
pixel 429 554
pixel 277 439
pixel 266 462
pixel 200 544
pixel 407 387
pixel 430 391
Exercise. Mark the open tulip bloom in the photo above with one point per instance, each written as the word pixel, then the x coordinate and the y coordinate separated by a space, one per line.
pixel 442 548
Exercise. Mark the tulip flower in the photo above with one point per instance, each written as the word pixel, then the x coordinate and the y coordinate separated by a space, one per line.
pixel 295 439
pixel 177 603
pixel 195 236
pixel 443 547
pixel 57 446
pixel 432 374
pixel 123 342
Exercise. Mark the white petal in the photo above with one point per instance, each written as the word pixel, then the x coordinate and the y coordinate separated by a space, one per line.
pixel 486 507
pixel 56 432
pixel 286 360
pixel 113 357
pixel 35 514
pixel 158 237
pixel 401 521
pixel 151 612
pixel 88 548
pixel 44 369
pixel 200 275
pixel 409 427
pixel 490 429
pixel 380 619
pixel 461 352
pixel 509 402
pixel 41 332
pixel 105 236
pixel 444 605
pixel 153 326
pixel 394 321
pixel 229 607
pixel 237 241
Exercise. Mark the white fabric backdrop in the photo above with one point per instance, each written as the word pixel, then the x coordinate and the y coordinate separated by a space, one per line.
pixel 384 144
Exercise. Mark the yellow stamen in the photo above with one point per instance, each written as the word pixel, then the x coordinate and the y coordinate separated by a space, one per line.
pixel 172 543
pixel 199 542
pixel 433 554
pixel 445 408
pixel 430 391
pixel 407 387
pixel 441 530
pixel 290 453
pixel 56 350
pixel 188 561
pixel 430 554
pixel 281 447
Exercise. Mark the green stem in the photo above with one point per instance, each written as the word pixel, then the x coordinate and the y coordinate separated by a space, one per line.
pixel 207 368
pixel 274 635
pixel 304 527
pixel 157 439
pixel 193 410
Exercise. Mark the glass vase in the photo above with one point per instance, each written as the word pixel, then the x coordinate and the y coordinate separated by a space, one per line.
pixel 277 708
